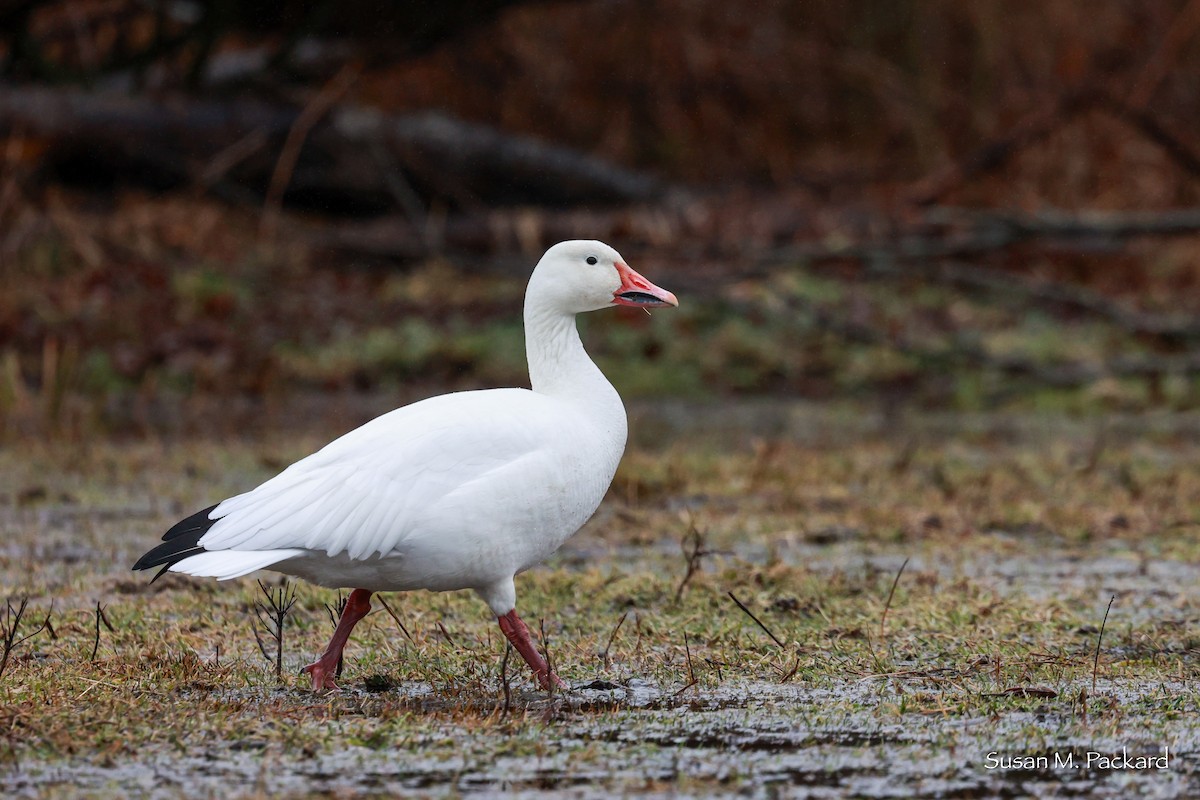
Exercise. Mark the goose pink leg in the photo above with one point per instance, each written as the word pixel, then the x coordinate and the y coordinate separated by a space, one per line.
pixel 516 632
pixel 323 670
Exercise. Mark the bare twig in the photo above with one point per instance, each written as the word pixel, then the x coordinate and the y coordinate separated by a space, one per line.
pixel 611 637
pixel 504 679
pixel 335 612
pixel 757 621
pixel 104 618
pixel 272 616
pixel 446 633
pixel 963 350
pixel 335 609
pixel 997 151
pixel 395 617
pixel 1181 31
pixel 792 672
pixel 888 604
pixel 1023 691
pixel 688 650
pixel 975 276
pixel 96 639
pixel 10 626
pixel 312 113
pixel 546 654
pixel 262 646
pixel 1099 640
pixel 1152 125
pixel 232 155
pixel 694 557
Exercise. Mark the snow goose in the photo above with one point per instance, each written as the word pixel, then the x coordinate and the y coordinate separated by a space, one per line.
pixel 460 491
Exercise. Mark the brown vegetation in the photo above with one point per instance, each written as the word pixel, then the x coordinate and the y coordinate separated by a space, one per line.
pixel 880 191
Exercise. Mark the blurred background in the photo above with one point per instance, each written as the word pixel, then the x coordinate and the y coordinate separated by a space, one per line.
pixel 222 214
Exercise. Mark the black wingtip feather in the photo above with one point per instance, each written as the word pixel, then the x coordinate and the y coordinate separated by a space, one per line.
pixel 196 522
pixel 180 542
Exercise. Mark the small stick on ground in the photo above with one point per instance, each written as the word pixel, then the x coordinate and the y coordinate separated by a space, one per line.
pixel 694 558
pixel 1099 640
pixel 10 625
pixel 791 673
pixel 546 653
pixel 96 639
pixel 757 621
pixel 891 594
pixel 611 637
pixel 395 617
pixel 504 679
pixel 446 633
pixel 272 615
pixel 688 651
pixel 691 672
pixel 262 646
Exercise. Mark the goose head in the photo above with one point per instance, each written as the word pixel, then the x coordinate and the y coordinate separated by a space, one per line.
pixel 583 275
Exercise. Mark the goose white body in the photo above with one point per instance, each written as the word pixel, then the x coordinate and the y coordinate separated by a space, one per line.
pixel 461 491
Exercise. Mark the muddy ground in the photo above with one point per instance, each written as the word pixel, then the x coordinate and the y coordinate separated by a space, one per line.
pixel 982 659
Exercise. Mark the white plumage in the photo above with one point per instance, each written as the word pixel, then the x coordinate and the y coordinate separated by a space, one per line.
pixel 461 491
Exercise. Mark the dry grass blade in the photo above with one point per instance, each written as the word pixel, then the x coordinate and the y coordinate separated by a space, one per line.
pixel 757 621
pixel 395 617
pixel 446 634
pixel 1099 641
pixel 611 637
pixel 891 593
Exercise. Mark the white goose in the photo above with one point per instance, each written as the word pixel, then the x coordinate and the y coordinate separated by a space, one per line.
pixel 460 491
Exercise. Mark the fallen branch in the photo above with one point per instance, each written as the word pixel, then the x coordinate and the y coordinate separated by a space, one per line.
pixel 289 154
pixel 1043 122
pixel 1063 375
pixel 188 142
pixel 997 151
pixel 1076 298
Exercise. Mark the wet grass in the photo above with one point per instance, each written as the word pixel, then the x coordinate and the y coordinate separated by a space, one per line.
pixel 912 599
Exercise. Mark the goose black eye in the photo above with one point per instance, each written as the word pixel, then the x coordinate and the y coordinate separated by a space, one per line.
pixel 591 259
